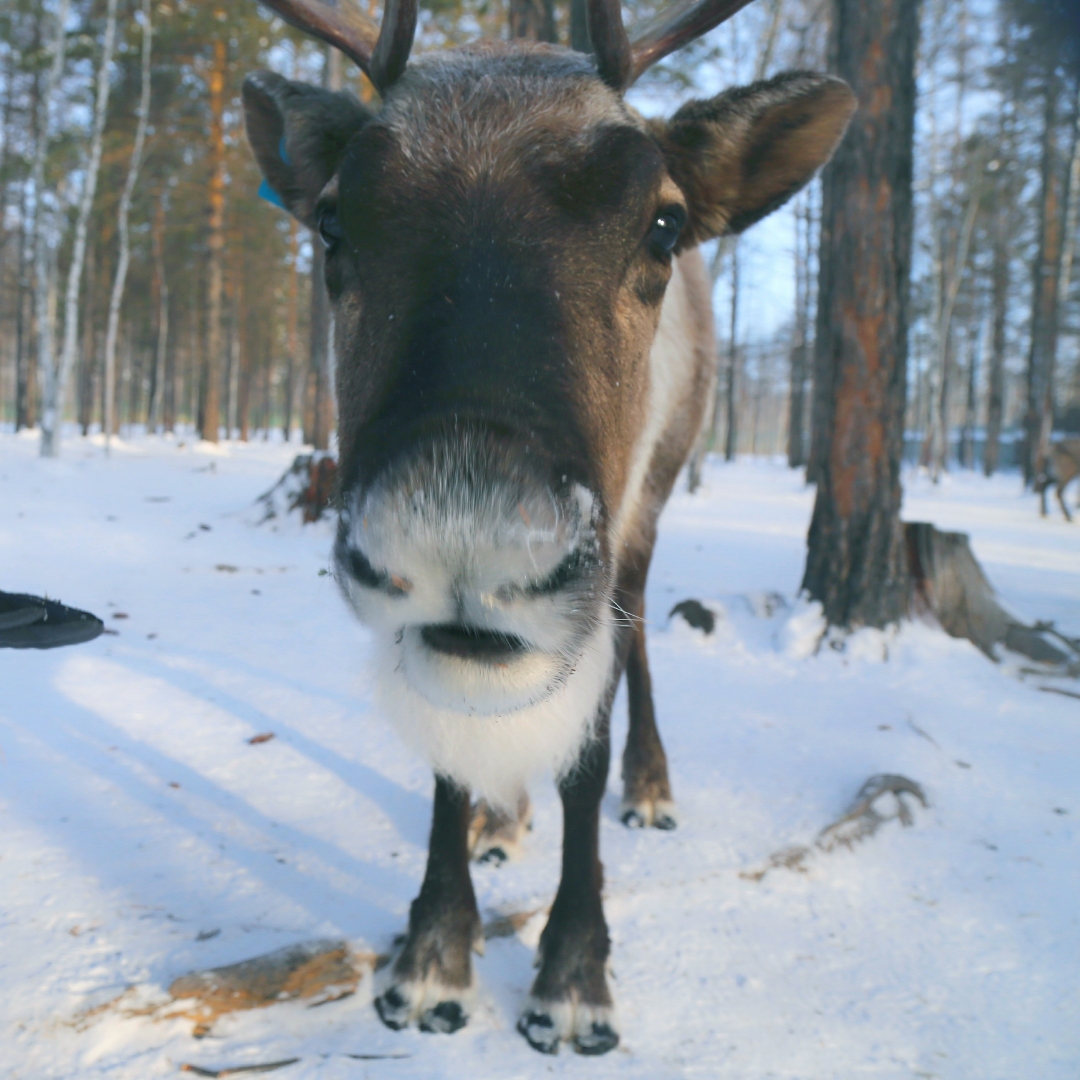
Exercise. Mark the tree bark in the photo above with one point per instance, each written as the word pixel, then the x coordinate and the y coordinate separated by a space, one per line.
pixel 731 441
pixel 120 278
pixel 44 263
pixel 856 564
pixel 161 290
pixel 999 286
pixel 292 339
pixel 796 443
pixel 211 395
pixel 1044 296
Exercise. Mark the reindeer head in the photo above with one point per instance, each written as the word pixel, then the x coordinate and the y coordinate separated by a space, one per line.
pixel 500 238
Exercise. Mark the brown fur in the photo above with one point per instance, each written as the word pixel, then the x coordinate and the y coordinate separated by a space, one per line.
pixel 1062 467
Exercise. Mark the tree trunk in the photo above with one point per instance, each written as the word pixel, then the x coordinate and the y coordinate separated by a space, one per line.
pixel 161 291
pixel 967 435
pixel 995 404
pixel 244 388
pixel 44 262
pixel 731 441
pixel 1044 297
pixel 120 278
pixel 796 443
pixel 87 354
pixel 856 564
pixel 532 20
pixel 292 338
pixel 23 351
pixel 211 390
pixel 56 371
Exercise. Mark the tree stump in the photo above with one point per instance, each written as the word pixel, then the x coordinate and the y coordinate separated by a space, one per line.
pixel 308 487
pixel 949 584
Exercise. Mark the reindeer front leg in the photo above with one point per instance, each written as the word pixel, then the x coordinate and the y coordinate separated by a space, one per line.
pixel 430 977
pixel 570 999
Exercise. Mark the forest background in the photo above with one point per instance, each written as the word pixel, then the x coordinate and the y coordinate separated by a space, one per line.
pixel 145 283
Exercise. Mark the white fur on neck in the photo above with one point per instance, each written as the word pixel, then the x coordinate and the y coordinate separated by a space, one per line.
pixel 495 755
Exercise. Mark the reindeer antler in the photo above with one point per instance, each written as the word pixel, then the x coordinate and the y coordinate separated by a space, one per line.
pixel 380 52
pixel 621 61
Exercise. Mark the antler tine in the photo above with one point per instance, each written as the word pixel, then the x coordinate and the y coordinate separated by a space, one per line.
pixel 381 53
pixel 611 46
pixel 395 42
pixel 674 27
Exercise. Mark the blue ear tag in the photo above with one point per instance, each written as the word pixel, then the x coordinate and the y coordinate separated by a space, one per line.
pixel 270 195
pixel 265 190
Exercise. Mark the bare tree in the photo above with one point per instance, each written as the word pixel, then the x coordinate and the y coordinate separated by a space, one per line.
pixel 120 278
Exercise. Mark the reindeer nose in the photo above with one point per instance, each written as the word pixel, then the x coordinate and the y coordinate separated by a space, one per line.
pixel 473 643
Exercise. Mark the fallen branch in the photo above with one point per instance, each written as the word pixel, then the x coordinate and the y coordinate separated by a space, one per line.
pixel 859 822
pixel 238 1070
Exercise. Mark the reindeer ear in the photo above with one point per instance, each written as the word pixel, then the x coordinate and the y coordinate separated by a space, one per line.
pixel 744 153
pixel 298 133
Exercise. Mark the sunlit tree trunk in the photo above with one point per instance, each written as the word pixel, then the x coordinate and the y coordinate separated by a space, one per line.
pixel 211 391
pixel 44 262
pixel 120 278
pixel 856 563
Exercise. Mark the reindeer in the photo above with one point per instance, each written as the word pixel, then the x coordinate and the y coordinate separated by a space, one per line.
pixel 1062 466
pixel 524 350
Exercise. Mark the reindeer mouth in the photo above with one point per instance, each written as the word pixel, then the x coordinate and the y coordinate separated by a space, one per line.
pixel 473 643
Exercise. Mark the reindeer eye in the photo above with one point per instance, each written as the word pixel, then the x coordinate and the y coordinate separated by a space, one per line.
pixel 329 227
pixel 666 227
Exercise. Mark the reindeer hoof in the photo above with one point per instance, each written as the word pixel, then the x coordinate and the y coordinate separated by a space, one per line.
pixel 659 814
pixel 588 1029
pixel 599 1040
pixel 539 1031
pixel 396 1010
pixel 393 1009
pixel 446 1018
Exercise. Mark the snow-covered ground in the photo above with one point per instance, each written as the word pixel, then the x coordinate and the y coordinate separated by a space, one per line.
pixel 142 836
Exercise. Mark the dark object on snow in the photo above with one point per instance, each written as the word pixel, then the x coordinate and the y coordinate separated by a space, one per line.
pixel 238 1070
pixel 31 622
pixel 308 485
pixel 950 585
pixel 696 614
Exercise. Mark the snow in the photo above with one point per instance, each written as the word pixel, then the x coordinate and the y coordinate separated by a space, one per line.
pixel 136 817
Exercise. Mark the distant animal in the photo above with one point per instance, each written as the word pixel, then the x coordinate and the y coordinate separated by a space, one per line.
pixel 1061 468
pixel 524 348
